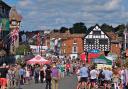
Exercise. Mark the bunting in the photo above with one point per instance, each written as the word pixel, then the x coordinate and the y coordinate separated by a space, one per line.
pixel 14 35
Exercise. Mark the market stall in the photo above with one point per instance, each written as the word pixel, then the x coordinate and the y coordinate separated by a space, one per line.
pixel 38 60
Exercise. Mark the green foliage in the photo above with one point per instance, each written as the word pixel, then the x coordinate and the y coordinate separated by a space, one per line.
pixel 120 29
pixel 23 48
pixel 106 28
pixel 63 29
pixel 78 28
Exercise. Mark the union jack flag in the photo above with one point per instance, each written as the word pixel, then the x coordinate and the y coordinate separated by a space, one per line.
pixel 14 35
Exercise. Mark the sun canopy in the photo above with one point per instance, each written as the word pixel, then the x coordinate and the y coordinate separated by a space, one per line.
pixel 38 60
pixel 102 60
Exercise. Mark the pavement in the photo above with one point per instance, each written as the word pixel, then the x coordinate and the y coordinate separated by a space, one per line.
pixel 66 83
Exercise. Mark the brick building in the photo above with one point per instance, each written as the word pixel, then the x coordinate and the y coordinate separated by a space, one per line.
pixel 106 42
pixel 71 44
pixel 115 43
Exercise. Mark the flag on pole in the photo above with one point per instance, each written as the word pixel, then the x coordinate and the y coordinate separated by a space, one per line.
pixel 38 39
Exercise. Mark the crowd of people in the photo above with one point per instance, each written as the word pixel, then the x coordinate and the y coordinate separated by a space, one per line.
pixel 105 78
pixel 13 76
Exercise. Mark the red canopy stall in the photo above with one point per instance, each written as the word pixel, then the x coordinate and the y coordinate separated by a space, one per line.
pixel 38 60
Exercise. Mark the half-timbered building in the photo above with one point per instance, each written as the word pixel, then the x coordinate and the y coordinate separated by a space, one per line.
pixel 97 39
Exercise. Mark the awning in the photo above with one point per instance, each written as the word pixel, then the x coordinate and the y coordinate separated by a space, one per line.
pixel 102 59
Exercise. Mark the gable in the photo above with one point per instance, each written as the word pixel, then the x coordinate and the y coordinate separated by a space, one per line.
pixel 96 32
pixel 97 39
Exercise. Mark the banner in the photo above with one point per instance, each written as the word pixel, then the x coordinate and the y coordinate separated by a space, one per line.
pixel 38 39
pixel 5 24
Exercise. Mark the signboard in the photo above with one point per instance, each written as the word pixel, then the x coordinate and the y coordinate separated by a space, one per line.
pixel 93 51
pixel 102 66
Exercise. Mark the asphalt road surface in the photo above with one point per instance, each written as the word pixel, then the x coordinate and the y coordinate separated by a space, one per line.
pixel 66 83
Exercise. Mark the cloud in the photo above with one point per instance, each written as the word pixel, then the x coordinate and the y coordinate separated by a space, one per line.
pixel 113 4
pixel 32 13
pixel 24 3
pixel 56 13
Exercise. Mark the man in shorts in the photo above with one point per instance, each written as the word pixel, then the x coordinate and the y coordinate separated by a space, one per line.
pixel 108 77
pixel 84 72
pixel 93 77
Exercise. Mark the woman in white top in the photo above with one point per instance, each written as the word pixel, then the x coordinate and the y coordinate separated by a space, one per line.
pixel 93 77
pixel 78 77
pixel 27 76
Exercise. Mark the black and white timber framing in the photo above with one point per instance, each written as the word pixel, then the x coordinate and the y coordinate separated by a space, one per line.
pixel 96 39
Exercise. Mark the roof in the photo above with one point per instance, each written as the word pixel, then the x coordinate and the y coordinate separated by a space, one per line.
pixel 65 35
pixel 3 3
pixel 92 30
pixel 112 35
pixel 13 15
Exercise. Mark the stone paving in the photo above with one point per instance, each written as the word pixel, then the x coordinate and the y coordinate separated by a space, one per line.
pixel 66 83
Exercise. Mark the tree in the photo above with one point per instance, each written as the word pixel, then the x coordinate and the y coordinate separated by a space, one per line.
pixel 78 28
pixel 106 28
pixel 120 29
pixel 63 29
pixel 23 48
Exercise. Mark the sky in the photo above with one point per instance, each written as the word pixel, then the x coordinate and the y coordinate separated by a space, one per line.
pixel 54 14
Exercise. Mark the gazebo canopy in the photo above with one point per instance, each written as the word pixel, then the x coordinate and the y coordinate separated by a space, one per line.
pixel 38 60
pixel 103 60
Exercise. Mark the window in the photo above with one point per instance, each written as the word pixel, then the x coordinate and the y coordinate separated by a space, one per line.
pixel 103 41
pixel 73 57
pixel 3 10
pixel 64 44
pixel 96 32
pixel 74 41
pixel 90 41
pixel 74 50
pixel 64 50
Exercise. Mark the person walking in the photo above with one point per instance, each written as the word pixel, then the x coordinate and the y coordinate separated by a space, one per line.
pixel 55 77
pixel 3 74
pixel 68 69
pixel 27 75
pixel 62 70
pixel 10 77
pixel 17 77
pixel 21 73
pixel 36 74
pixel 41 75
pixel 116 78
pixel 93 77
pixel 108 77
pixel 48 77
